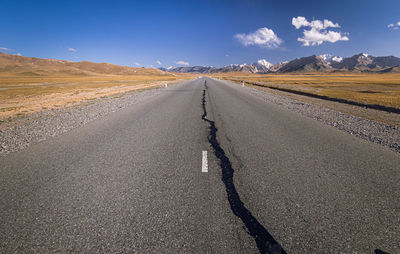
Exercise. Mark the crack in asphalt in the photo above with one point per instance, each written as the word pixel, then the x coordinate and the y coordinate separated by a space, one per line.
pixel 264 240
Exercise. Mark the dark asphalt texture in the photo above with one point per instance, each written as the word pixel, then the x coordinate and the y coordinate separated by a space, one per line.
pixel 131 182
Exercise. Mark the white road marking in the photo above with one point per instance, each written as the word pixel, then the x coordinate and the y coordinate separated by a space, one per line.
pixel 204 164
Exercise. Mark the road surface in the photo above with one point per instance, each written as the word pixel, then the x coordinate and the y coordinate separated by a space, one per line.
pixel 136 181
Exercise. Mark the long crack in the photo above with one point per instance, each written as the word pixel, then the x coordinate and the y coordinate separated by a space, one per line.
pixel 264 240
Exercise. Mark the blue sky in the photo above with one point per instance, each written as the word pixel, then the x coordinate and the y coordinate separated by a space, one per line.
pixel 204 32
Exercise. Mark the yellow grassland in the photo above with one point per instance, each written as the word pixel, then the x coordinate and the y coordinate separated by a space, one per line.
pixel 380 89
pixel 22 95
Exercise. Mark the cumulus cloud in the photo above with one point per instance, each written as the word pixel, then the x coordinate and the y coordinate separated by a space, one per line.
pixel 182 63
pixel 317 24
pixel 394 26
pixel 317 37
pixel 263 37
pixel 299 22
pixel 19 54
pixel 137 64
pixel 159 62
pixel 72 50
pixel 318 32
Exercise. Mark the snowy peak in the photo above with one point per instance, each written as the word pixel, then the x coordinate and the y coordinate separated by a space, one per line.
pixel 337 59
pixel 328 58
pixel 262 66
pixel 263 63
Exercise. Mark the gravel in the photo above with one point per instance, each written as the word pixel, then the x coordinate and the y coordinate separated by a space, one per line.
pixel 40 126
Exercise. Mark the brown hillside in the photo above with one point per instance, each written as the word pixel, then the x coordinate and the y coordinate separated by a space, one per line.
pixel 32 66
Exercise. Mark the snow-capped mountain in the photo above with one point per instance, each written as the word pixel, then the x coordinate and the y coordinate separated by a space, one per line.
pixel 328 58
pixel 366 62
pixel 306 64
pixel 262 65
pixel 337 59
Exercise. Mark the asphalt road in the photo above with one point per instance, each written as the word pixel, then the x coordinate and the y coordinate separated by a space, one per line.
pixel 132 182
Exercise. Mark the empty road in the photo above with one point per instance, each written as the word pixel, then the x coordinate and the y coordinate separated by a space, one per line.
pixel 202 167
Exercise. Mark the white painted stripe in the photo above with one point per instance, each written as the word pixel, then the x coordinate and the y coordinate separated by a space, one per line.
pixel 204 164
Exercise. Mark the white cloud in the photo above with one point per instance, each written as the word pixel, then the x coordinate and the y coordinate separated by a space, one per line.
pixel 159 62
pixel 227 55
pixel 19 54
pixel 182 63
pixel 72 50
pixel 317 37
pixel 317 24
pixel 6 49
pixel 318 33
pixel 137 64
pixel 394 26
pixel 262 37
pixel 299 22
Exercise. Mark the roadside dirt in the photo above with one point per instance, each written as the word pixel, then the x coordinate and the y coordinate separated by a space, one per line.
pixel 64 96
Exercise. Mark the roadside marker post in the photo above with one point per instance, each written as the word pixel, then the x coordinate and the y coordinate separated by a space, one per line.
pixel 242 83
pixel 166 85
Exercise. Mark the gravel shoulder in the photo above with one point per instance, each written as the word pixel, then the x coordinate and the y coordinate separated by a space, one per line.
pixel 40 126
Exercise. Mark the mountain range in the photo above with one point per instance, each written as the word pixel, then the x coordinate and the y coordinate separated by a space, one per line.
pixel 316 63
pixel 32 66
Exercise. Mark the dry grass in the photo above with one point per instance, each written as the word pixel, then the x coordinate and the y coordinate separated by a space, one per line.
pixel 22 95
pixel 380 89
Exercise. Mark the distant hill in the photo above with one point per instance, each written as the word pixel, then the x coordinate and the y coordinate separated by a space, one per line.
pixel 32 66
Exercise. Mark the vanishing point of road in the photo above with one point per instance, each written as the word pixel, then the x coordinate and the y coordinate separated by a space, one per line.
pixel 201 167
